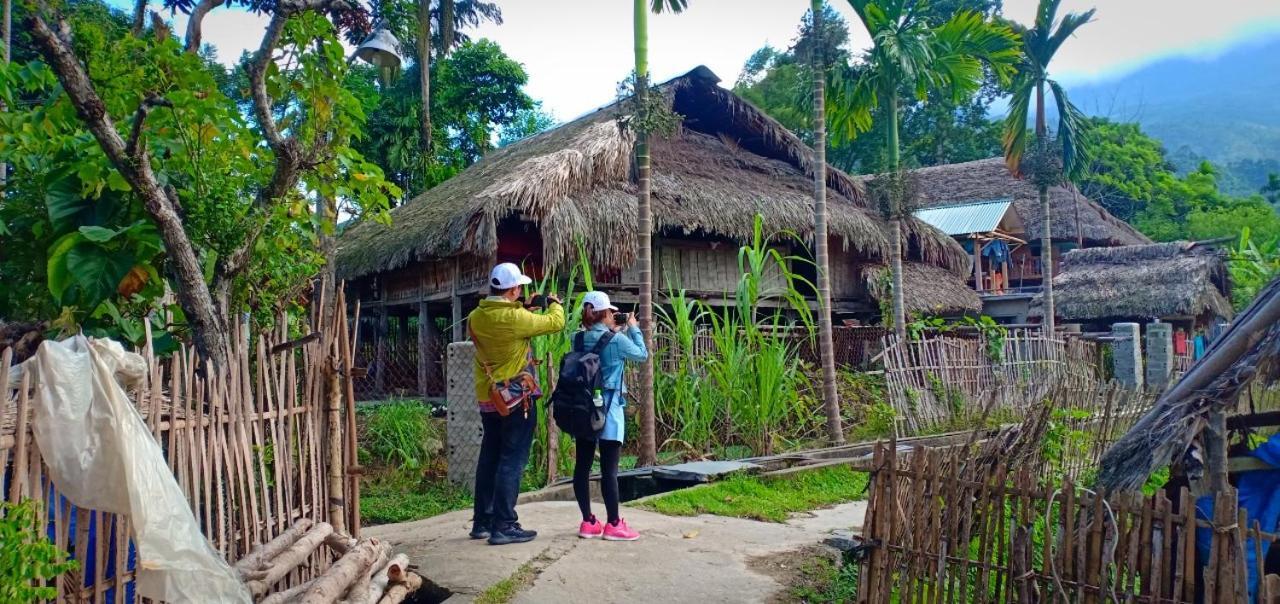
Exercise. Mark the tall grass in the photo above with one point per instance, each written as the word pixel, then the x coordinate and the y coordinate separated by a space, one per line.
pixel 401 435
pixel 750 389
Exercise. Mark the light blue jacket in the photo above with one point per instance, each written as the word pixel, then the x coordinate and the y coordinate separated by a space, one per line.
pixel 625 346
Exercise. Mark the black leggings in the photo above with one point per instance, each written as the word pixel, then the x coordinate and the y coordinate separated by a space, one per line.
pixel 609 452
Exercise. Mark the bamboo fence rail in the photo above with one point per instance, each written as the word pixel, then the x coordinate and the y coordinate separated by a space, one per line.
pixel 942 527
pixel 936 381
pixel 253 449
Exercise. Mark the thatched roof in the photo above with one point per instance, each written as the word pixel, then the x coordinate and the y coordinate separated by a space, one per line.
pixel 1178 279
pixel 927 290
pixel 728 162
pixel 1248 352
pixel 988 179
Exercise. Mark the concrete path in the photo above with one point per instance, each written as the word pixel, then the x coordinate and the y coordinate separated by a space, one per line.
pixel 703 559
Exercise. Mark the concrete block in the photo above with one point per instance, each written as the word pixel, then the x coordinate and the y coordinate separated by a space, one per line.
pixel 1159 344
pixel 463 429
pixel 1127 354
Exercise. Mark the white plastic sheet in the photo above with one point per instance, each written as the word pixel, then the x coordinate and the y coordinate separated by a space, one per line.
pixel 101 456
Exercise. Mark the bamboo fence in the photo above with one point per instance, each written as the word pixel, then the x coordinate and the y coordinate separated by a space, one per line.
pixel 941 527
pixel 936 381
pixel 254 448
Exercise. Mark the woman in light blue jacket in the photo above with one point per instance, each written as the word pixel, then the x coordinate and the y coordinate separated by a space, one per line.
pixel 598 318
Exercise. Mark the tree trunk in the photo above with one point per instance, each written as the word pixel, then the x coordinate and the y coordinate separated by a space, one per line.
pixel 895 218
pixel 139 17
pixel 288 560
pixel 330 586
pixel 6 22
pixel 1046 263
pixel 209 331
pixel 1046 235
pixel 424 71
pixel 826 348
pixel 644 219
pixel 446 27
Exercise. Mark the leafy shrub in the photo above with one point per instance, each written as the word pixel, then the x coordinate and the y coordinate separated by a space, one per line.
pixel 28 561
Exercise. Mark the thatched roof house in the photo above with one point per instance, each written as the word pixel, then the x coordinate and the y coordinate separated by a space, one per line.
pixel 1179 281
pixel 534 200
pixel 987 179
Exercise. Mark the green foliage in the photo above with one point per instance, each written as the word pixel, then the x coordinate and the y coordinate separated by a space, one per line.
pixel 655 116
pixel 28 561
pixel 993 334
pixel 1132 177
pixel 1252 264
pixel 527 122
pixel 1065 440
pixel 825 581
pixel 477 93
pixel 83 233
pixel 768 500
pixel 401 434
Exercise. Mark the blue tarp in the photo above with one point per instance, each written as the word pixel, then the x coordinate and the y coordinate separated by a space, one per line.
pixel 1259 493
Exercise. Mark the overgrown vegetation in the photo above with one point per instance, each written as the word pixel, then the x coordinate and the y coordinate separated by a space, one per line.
pixel 28 561
pixel 770 500
pixel 405 472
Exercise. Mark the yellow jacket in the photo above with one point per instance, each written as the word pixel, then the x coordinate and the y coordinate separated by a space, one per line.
pixel 503 329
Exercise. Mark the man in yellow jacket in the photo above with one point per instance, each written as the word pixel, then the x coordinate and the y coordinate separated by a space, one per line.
pixel 501 328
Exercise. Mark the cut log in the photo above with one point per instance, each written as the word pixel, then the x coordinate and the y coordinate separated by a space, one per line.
pixel 255 559
pixel 287 595
pixel 361 590
pixel 282 565
pixel 340 543
pixel 336 581
pixel 382 579
pixel 398 592
pixel 398 569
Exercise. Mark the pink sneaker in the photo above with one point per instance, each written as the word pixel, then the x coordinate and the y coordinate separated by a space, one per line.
pixel 591 529
pixel 619 532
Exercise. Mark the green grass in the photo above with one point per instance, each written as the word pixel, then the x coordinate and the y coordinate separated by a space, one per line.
pixel 402 498
pixel 771 500
pixel 506 590
pixel 822 580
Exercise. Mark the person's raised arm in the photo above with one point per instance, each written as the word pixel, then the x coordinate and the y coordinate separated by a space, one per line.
pixel 631 341
pixel 533 324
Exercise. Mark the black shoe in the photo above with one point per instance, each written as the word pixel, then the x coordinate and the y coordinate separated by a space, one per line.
pixel 478 531
pixel 512 533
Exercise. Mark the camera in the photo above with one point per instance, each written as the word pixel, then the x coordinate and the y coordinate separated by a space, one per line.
pixel 539 301
pixel 621 318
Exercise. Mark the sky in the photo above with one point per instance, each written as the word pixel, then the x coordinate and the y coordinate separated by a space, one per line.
pixel 577 51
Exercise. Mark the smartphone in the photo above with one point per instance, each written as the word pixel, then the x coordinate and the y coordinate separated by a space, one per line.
pixel 621 318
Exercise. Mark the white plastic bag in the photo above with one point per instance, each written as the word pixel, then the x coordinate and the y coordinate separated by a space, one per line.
pixel 101 456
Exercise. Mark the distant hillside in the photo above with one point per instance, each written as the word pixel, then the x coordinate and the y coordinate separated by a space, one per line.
pixel 1223 109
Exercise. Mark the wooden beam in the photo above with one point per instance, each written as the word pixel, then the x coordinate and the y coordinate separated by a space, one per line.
pixel 455 303
pixel 1256 420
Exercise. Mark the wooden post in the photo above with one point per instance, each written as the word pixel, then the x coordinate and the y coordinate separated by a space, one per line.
pixel 426 350
pixel 455 302
pixel 380 343
pixel 977 264
pixel 553 431
pixel 1215 441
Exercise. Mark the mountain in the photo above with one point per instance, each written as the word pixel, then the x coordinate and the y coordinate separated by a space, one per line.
pixel 1221 108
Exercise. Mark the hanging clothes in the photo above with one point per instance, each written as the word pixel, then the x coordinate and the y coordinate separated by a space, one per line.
pixel 1200 345
pixel 997 251
pixel 1180 343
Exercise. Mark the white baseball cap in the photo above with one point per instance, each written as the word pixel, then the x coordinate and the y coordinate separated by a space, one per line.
pixel 507 276
pixel 598 301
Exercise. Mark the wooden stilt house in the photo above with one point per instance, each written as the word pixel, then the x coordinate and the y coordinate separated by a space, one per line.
pixel 544 200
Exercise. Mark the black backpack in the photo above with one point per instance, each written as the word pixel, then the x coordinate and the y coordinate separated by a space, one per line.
pixel 573 402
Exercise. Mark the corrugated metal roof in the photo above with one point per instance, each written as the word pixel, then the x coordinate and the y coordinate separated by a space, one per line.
pixel 966 218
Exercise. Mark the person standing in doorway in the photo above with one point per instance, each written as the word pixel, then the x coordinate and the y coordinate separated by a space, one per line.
pixel 599 317
pixel 501 327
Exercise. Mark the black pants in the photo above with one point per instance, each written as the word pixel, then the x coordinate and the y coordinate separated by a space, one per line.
pixel 609 452
pixel 504 453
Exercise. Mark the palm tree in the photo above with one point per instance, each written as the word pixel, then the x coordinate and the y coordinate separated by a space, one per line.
pixel 644 216
pixel 826 348
pixel 1039 44
pixel 424 73
pixel 908 53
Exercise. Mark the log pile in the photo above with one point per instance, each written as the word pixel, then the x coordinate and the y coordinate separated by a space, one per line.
pixel 365 571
